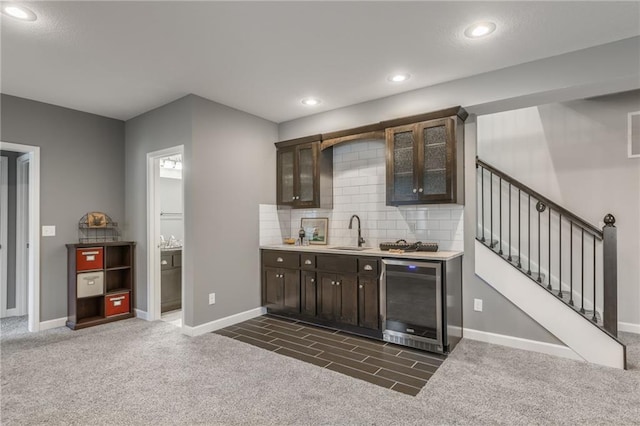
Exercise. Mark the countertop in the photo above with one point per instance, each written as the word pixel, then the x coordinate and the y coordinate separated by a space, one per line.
pixel 424 255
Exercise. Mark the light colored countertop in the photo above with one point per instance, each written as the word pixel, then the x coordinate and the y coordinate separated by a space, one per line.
pixel 425 255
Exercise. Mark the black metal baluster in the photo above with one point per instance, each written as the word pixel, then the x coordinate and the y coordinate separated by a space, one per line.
pixel 509 258
pixel 540 208
pixel 560 256
pixel 594 319
pixel 519 230
pixel 482 184
pixel 571 264
pixel 529 238
pixel 582 260
pixel 500 216
pixel 491 208
pixel 549 254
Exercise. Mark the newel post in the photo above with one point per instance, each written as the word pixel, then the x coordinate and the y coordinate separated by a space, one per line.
pixel 610 265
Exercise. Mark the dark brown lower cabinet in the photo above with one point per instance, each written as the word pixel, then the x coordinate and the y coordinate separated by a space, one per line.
pixel 338 298
pixel 368 306
pixel 338 291
pixel 170 280
pixel 309 293
pixel 282 289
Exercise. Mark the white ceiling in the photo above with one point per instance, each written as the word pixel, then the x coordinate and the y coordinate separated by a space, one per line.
pixel 120 59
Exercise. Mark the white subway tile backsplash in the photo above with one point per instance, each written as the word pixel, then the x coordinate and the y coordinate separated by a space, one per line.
pixel 359 188
pixel 439 214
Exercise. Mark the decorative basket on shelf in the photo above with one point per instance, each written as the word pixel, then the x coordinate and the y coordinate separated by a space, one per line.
pixel 97 227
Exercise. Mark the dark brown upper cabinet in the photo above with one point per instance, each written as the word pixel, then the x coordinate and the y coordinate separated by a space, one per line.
pixel 425 162
pixel 305 175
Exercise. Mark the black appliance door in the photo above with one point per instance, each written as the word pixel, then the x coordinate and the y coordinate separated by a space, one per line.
pixel 412 299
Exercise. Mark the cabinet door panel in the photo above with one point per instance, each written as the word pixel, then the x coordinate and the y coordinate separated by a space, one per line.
pixel 306 174
pixel 170 289
pixel 291 299
pixel 436 158
pixel 308 298
pixel 272 288
pixel 347 294
pixel 326 295
pixel 286 176
pixel 368 309
pixel 401 164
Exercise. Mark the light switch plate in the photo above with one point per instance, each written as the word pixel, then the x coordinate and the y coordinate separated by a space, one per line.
pixel 477 305
pixel 212 298
pixel 49 231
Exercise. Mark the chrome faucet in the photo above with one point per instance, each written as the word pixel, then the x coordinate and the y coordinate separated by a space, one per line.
pixel 360 239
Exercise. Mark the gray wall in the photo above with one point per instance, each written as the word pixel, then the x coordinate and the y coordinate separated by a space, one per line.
pixel 229 169
pixel 233 171
pixel 81 170
pixel 11 228
pixel 164 127
pixel 577 156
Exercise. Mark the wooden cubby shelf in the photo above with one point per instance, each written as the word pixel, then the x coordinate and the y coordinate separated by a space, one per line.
pixel 101 278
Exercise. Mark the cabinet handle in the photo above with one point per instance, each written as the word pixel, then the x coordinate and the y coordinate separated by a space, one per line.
pixel 279 260
pixel 164 262
pixel 333 283
pixel 415 190
pixel 293 198
pixel 313 280
pixel 307 262
pixel 360 286
pixel 420 190
pixel 297 197
pixel 337 282
pixel 368 268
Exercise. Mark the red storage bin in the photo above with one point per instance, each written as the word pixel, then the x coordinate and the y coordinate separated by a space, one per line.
pixel 116 304
pixel 89 258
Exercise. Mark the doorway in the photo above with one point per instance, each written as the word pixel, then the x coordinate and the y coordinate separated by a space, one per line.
pixel 25 297
pixel 165 234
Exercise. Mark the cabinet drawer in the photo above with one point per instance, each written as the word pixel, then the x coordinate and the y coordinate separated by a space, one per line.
pixel 308 261
pixel 368 266
pixel 281 259
pixel 116 304
pixel 342 264
pixel 90 284
pixel 89 258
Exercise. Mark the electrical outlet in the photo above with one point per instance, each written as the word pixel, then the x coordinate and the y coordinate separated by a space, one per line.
pixel 477 305
pixel 49 231
pixel 212 298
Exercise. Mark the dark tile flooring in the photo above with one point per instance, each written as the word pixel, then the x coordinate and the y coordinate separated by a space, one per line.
pixel 394 367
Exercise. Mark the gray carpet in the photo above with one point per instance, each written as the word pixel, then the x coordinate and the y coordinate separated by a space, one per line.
pixel 138 372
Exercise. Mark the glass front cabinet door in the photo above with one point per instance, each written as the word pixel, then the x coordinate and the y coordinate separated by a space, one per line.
pixel 424 162
pixel 300 176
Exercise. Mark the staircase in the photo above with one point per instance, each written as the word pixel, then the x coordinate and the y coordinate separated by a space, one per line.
pixel 555 266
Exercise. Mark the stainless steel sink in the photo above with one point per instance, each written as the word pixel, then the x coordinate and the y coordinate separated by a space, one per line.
pixel 349 248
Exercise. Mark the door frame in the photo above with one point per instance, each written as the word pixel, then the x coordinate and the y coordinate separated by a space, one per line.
pixel 33 308
pixel 153 232
pixel 4 240
pixel 22 232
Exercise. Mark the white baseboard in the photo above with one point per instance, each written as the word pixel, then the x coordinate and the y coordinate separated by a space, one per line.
pixel 519 343
pixel 629 327
pixel 142 314
pixel 222 322
pixel 54 323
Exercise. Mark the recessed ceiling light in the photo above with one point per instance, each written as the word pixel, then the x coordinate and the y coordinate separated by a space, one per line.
pixel 18 12
pixel 480 29
pixel 310 101
pixel 398 78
